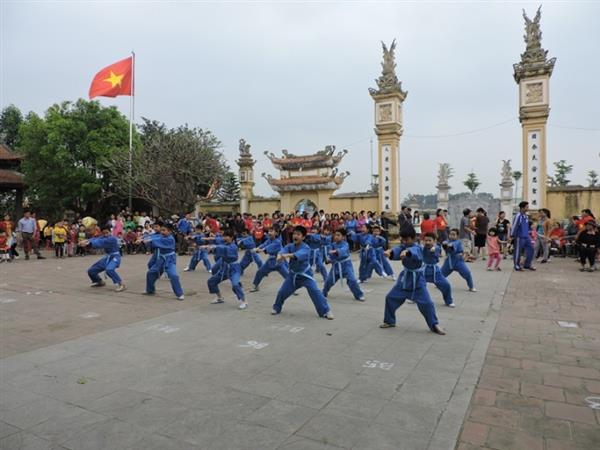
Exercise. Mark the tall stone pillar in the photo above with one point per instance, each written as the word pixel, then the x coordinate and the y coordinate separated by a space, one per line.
pixel 532 74
pixel 246 175
pixel 443 194
pixel 388 98
pixel 506 189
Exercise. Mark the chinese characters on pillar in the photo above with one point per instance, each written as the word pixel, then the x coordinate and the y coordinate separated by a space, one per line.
pixel 386 165
pixel 534 168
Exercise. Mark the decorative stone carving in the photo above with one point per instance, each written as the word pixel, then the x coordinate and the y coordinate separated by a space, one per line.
pixel 244 148
pixel 444 174
pixel 534 60
pixel 385 112
pixel 506 171
pixel 388 82
pixel 534 93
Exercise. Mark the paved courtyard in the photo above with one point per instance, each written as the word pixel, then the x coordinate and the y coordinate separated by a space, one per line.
pixel 86 368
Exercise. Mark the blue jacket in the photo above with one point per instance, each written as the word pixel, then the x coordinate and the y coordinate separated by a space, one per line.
pixel 363 239
pixel 227 252
pixel 271 246
pixel 520 226
pixel 313 241
pixel 412 276
pixel 110 244
pixel 199 239
pixel 247 243
pixel 343 251
pixel 378 241
pixel 184 226
pixel 454 250
pixel 164 244
pixel 432 257
pixel 300 263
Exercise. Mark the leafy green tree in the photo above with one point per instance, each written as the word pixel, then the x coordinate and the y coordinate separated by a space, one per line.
pixel 67 152
pixel 230 188
pixel 592 178
pixel 172 169
pixel 561 171
pixel 517 175
pixel 10 120
pixel 472 182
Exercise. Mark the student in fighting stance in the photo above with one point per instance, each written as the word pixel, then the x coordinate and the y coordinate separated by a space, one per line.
pixel 455 261
pixel 341 266
pixel 431 256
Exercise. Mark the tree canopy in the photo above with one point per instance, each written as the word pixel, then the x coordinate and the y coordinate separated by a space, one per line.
pixel 472 182
pixel 10 120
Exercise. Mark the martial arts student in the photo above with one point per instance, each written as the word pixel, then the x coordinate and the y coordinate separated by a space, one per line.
pixel 411 284
pixel 229 269
pixel 248 244
pixel 522 244
pixel 368 259
pixel 163 244
pixel 109 263
pixel 341 266
pixel 326 239
pixel 431 256
pixel 200 254
pixel 379 243
pixel 298 255
pixel 271 247
pixel 313 240
pixel 455 260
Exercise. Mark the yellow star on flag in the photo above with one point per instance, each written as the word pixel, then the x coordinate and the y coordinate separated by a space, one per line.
pixel 114 79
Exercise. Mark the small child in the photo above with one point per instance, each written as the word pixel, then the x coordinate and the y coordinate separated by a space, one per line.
pixel 493 248
pixel 122 244
pixel 368 258
pixel 271 248
pixel 164 260
pixel 339 257
pixel 81 236
pixel 431 256
pixel 59 239
pixel 4 247
pixel 455 261
pixel 108 263
pixel 379 243
pixel 200 254
pixel 313 240
pixel 248 243
pixel 589 244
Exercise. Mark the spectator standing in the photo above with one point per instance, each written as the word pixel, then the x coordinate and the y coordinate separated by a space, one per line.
pixel 27 227
pixel 441 225
pixel 542 242
pixel 482 222
pixel 503 229
pixel 465 234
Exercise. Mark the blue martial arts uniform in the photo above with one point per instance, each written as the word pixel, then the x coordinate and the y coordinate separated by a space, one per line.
pixel 200 254
pixel 299 276
pixel 108 263
pixel 313 240
pixel 229 269
pixel 368 257
pixel 379 243
pixel 410 285
pixel 455 261
pixel 218 240
pixel 522 241
pixel 249 244
pixel 433 274
pixel 271 247
pixel 341 267
pixel 165 261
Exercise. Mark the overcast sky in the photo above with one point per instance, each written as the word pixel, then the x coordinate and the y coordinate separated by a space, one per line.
pixel 295 76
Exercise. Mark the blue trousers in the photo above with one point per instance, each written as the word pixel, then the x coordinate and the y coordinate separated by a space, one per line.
pixel 397 296
pixel 199 255
pixel 340 271
pixel 368 263
pixel 316 260
pixel 163 264
pixel 433 274
pixel 247 259
pixel 523 245
pixel 270 265
pixel 231 272
pixel 461 267
pixel 107 264
pixel 384 261
pixel 292 283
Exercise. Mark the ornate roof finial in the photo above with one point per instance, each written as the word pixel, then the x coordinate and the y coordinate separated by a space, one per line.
pixel 388 81
pixel 534 60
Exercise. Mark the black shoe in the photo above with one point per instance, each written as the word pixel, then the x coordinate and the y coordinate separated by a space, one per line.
pixel 41 257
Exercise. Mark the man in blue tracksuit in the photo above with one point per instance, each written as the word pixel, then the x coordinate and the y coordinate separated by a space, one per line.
pixel 411 284
pixel 300 275
pixel 200 254
pixel 379 243
pixel 522 244
pixel 431 256
pixel 455 260
pixel 341 266
pixel 271 247
pixel 108 263
pixel 229 269
pixel 164 245
pixel 313 240
pixel 368 258
pixel 248 244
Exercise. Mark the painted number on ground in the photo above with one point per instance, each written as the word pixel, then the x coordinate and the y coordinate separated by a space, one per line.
pixel 163 328
pixel 593 402
pixel 90 315
pixel 254 344
pixel 289 328
pixel 374 364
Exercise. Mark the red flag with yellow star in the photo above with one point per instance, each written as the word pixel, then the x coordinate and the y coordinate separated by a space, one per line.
pixel 116 79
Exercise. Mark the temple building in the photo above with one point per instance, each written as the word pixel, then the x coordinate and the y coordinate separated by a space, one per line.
pixel 11 179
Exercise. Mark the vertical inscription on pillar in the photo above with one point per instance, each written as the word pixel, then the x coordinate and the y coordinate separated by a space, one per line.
pixel 386 194
pixel 534 140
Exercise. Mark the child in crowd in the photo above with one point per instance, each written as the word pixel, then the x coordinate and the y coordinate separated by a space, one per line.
pixel 229 269
pixel 271 247
pixel 72 240
pixel 164 259
pixel 455 261
pixel 411 284
pixel 4 247
pixel 200 253
pixel 339 257
pixel 589 244
pixel 122 245
pixel 313 240
pixel 248 243
pixel 59 239
pixel 81 236
pixel 494 249
pixel 300 275
pixel 109 263
pixel 130 245
pixel 431 256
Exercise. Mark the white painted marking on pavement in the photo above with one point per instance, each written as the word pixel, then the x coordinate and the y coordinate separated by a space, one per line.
pixel 374 364
pixel 8 300
pixel 564 324
pixel 90 315
pixel 593 402
pixel 254 344
pixel 163 328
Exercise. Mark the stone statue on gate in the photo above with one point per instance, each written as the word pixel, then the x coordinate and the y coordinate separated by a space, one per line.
pixel 244 149
pixel 388 81
pixel 444 174
pixel 506 171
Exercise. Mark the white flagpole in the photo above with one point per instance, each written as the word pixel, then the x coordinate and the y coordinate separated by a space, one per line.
pixel 131 115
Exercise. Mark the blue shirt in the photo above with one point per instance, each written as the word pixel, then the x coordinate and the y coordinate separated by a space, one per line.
pixel 411 277
pixel 227 252
pixel 378 241
pixel 313 241
pixel 110 244
pixel 343 251
pixel 271 246
pixel 520 227
pixel 26 225
pixel 247 243
pixel 431 255
pixel 199 239
pixel 351 224
pixel 164 244
pixel 184 226
pixel 363 239
pixel 454 250
pixel 301 260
